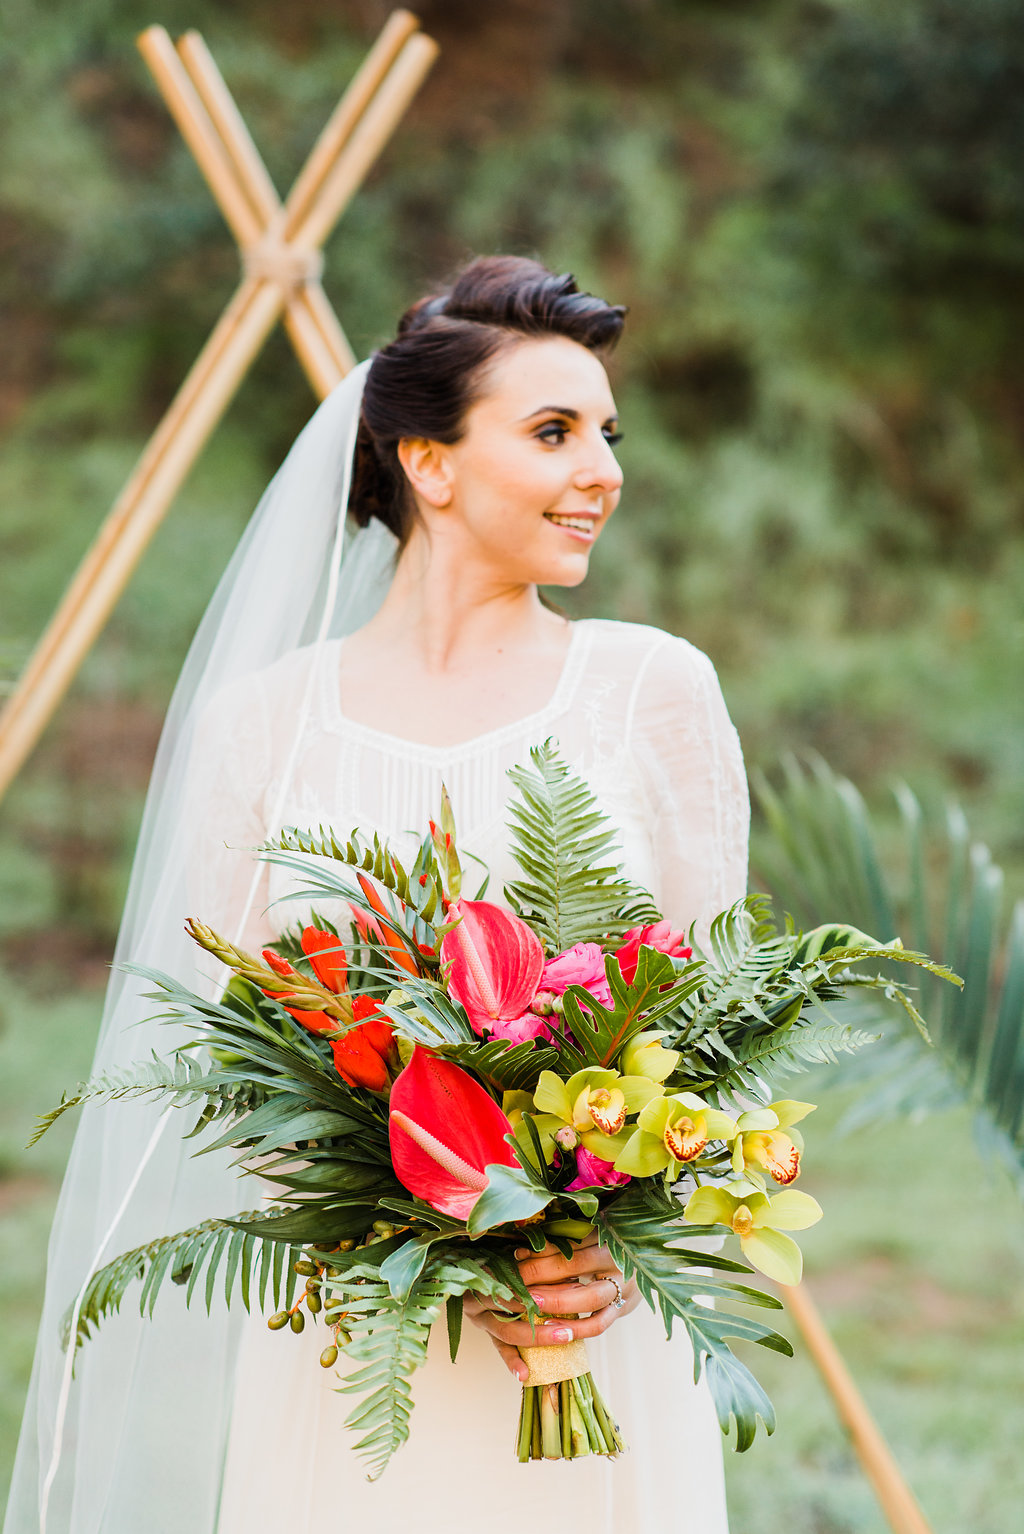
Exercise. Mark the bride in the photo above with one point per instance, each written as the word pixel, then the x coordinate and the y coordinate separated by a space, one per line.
pixel 340 679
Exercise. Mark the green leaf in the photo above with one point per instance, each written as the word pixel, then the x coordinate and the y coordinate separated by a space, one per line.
pixel 820 851
pixel 634 1228
pixel 401 1270
pixel 183 1258
pixel 511 1194
pixel 453 1308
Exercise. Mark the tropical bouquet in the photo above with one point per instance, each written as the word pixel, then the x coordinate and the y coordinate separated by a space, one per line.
pixel 447 1080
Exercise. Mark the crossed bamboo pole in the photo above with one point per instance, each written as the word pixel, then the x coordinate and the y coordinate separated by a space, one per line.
pixel 281 249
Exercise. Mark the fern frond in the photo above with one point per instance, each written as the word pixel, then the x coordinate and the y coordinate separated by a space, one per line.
pixel 572 890
pixel 389 1342
pixel 213 1245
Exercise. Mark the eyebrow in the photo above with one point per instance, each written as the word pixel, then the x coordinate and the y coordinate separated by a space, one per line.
pixel 566 410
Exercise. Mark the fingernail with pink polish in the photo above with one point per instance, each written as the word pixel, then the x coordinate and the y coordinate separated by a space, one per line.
pixel 561 1334
pixel 538 1300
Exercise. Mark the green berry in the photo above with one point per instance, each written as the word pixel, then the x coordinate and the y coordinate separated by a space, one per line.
pixel 297 1321
pixel 328 1357
pixel 276 1322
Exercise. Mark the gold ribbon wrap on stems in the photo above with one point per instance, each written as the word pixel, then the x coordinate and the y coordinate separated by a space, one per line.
pixel 552 1365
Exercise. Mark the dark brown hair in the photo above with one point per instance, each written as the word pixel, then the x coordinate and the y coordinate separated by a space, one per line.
pixel 423 383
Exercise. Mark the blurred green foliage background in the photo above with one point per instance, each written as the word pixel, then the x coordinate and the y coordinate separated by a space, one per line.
pixel 815 212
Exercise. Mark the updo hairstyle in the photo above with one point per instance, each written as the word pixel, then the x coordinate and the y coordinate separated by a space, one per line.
pixel 423 383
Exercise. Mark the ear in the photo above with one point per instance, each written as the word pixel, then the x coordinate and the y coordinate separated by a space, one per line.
pixel 428 469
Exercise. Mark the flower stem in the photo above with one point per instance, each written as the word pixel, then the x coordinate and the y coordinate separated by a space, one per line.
pixel 567 1420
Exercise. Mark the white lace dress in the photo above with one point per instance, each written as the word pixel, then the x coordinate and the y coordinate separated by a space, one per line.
pixel 640 714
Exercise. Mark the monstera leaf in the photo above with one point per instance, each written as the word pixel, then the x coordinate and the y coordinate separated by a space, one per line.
pixel 819 851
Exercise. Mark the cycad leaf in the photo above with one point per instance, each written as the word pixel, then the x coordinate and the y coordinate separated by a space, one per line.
pixel 819 851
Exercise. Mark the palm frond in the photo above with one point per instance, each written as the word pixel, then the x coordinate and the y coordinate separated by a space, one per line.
pixel 820 849
pixel 572 890
pixel 228 1245
pixel 181 1078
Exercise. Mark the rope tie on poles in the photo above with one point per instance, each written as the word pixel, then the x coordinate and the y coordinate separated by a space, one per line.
pixel 273 260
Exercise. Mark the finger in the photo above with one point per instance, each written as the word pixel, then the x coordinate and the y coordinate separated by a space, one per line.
pixel 513 1360
pixel 569 1298
pixel 521 1334
pixel 601 1320
pixel 474 1303
pixel 553 1268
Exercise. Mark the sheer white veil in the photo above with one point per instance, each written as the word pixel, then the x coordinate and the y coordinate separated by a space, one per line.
pixel 135 1441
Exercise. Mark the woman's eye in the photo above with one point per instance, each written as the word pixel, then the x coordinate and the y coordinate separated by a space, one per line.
pixel 553 433
pixel 612 437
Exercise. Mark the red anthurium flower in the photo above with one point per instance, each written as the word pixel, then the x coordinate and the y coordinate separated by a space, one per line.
pixel 363 1055
pixel 445 1129
pixel 327 956
pixel 316 1022
pixel 660 936
pixel 493 962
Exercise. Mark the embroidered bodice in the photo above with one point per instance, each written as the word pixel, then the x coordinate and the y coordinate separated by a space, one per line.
pixel 637 711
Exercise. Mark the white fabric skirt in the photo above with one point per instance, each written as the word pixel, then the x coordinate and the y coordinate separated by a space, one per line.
pixel 290 1464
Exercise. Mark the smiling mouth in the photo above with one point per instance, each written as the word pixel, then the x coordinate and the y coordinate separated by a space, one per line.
pixel 578 524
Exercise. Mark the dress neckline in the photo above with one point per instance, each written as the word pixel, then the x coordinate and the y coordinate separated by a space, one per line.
pixel 397 745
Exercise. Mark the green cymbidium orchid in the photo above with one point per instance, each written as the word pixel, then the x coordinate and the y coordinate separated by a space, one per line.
pixel 761 1142
pixel 589 1109
pixel 646 1055
pixel 670 1132
pixel 759 1220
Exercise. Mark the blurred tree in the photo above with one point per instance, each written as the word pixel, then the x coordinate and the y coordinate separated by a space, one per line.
pixel 814 213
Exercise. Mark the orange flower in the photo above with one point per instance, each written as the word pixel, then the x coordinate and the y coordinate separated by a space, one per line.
pixel 316 1022
pixel 364 1056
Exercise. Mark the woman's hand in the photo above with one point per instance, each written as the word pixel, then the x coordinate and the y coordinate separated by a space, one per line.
pixel 586 1285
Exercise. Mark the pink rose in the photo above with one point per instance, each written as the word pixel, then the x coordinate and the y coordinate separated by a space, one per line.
pixel 659 936
pixel 583 964
pixel 593 1172
pixel 518 1029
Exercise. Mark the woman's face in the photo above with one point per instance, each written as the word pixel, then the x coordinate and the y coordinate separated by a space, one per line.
pixel 525 492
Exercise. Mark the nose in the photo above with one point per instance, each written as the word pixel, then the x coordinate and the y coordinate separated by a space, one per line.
pixel 600 469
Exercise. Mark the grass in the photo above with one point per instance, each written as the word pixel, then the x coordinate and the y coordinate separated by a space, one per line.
pixel 917 1269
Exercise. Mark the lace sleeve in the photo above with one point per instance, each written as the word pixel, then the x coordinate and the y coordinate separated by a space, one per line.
pixel 690 761
pixel 229 770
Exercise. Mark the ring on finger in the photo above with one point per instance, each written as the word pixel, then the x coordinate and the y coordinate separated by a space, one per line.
pixel 620 1298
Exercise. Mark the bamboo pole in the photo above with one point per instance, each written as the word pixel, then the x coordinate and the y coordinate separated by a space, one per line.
pixel 318 339
pixel 369 136
pixel 894 1495
pixel 380 93
pixel 337 131
pixel 229 125
pixel 134 518
pixel 198 131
